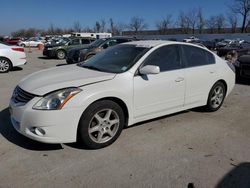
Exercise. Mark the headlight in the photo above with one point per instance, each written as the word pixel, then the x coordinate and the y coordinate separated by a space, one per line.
pixel 49 48
pixel 56 100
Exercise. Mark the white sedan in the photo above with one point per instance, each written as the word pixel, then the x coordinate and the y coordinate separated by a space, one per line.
pixel 132 82
pixel 11 56
pixel 32 42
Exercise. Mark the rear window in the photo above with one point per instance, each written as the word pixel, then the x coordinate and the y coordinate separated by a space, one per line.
pixel 194 56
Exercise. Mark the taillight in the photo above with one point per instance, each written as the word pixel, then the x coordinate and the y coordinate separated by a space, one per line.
pixel 18 49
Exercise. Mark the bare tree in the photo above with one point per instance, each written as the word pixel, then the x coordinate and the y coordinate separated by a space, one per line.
pixel 103 24
pixel 137 24
pixel 115 29
pixel 192 18
pixel 220 22
pixel 200 20
pixel 51 29
pixel 183 22
pixel 242 7
pixel 211 23
pixel 97 26
pixel 77 26
pixel 163 25
pixel 233 21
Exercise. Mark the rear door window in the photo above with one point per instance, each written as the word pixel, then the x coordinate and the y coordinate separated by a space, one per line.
pixel 194 56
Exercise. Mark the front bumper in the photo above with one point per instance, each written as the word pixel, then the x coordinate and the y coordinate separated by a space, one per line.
pixel 49 53
pixel 243 71
pixel 60 126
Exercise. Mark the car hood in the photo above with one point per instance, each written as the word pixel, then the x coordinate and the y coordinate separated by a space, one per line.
pixel 45 81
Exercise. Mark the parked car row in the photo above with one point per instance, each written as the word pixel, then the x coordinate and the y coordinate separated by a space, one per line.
pixel 60 49
pixel 80 54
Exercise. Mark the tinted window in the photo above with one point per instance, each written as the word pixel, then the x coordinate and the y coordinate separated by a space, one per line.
pixel 75 42
pixel 194 56
pixel 116 59
pixel 112 42
pixel 123 40
pixel 167 58
pixel 85 41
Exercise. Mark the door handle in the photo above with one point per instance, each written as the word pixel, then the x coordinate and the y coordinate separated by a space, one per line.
pixel 179 79
pixel 211 72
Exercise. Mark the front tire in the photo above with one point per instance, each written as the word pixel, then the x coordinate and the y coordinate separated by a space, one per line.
pixel 60 54
pixel 5 65
pixel 216 97
pixel 101 124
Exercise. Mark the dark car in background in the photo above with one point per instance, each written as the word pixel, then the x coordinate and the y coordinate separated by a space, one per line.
pixel 59 50
pixel 241 49
pixel 80 54
pixel 242 66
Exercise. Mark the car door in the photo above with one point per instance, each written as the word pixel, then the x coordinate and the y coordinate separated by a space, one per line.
pixel 163 92
pixel 200 74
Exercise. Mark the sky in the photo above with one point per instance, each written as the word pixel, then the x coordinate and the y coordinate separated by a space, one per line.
pixel 18 14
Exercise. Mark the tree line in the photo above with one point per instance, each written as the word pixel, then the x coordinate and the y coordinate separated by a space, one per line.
pixel 187 22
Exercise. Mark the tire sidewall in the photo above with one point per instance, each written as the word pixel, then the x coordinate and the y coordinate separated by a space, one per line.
pixel 209 104
pixel 57 54
pixel 83 135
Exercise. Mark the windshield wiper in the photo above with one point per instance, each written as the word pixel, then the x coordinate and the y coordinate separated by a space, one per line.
pixel 91 67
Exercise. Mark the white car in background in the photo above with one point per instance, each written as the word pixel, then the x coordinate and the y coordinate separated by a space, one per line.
pixel 11 56
pixel 191 39
pixel 93 101
pixel 32 42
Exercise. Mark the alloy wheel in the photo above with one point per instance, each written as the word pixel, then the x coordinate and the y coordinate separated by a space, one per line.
pixel 4 65
pixel 103 126
pixel 217 96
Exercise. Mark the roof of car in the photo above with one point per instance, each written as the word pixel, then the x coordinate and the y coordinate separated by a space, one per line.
pixel 151 43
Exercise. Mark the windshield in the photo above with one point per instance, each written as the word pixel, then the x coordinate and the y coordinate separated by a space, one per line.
pixel 117 59
pixel 97 43
pixel 63 41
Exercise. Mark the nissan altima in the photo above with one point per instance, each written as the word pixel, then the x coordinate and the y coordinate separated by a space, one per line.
pixel 93 101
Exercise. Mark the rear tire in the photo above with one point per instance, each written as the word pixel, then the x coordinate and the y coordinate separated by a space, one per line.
pixel 101 124
pixel 216 97
pixel 60 54
pixel 5 65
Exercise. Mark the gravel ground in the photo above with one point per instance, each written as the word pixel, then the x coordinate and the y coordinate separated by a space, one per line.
pixel 188 149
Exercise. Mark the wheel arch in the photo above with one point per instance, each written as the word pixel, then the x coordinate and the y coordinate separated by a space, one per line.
pixel 224 83
pixel 118 101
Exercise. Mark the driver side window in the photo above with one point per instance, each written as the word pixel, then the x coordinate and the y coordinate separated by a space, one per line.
pixel 166 57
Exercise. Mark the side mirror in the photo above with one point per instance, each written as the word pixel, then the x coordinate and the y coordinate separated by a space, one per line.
pixel 149 69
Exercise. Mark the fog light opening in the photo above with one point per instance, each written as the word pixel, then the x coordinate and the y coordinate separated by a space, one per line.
pixel 38 131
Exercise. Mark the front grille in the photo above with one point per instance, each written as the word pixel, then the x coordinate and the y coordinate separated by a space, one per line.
pixel 21 96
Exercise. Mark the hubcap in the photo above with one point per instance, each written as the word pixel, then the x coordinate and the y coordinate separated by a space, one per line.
pixel 103 126
pixel 4 65
pixel 61 54
pixel 217 97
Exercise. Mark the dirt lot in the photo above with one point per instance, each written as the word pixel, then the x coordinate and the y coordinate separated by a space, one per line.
pixel 181 150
